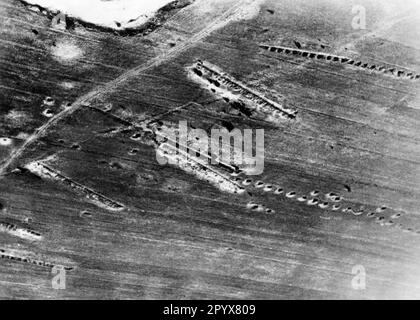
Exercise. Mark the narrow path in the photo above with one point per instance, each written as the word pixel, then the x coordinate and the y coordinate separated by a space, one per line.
pixel 229 15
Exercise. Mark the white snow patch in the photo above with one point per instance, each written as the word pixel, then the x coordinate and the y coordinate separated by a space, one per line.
pixel 67 85
pixel 19 232
pixel 5 142
pixel 116 14
pixel 66 52
pixel 17 118
pixel 22 136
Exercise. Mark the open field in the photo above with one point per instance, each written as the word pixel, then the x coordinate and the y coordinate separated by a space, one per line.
pixel 80 188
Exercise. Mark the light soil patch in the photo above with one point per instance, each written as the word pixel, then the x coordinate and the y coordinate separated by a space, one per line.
pixel 113 14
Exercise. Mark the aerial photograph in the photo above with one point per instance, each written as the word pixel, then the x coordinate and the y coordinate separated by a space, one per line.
pixel 209 150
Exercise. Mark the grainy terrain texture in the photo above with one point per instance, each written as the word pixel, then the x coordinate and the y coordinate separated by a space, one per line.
pixel 81 108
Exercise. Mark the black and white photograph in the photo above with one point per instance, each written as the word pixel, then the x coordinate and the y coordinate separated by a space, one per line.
pixel 209 150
